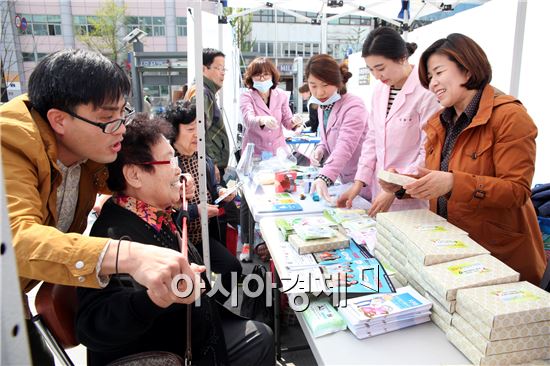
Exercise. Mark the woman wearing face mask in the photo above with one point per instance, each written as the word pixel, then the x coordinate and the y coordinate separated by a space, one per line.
pixel 342 123
pixel 265 108
pixel 480 156
pixel 265 111
pixel 400 109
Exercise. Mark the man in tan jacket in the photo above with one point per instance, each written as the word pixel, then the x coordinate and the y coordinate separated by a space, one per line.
pixel 55 142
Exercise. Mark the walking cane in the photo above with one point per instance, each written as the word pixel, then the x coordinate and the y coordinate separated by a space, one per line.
pixel 185 251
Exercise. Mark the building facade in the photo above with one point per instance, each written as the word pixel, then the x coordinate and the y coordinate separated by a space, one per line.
pixel 31 29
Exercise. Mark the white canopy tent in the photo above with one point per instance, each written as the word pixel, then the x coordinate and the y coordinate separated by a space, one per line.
pixel 387 10
pixel 508 30
pixel 494 26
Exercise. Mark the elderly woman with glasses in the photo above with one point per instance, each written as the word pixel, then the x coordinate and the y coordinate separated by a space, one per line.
pixel 183 137
pixel 125 318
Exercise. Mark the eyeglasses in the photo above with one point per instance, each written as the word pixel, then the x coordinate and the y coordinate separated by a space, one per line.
pixel 220 69
pixel 261 76
pixel 111 126
pixel 173 162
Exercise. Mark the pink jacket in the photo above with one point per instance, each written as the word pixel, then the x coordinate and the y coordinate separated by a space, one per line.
pixel 253 107
pixel 396 140
pixel 342 139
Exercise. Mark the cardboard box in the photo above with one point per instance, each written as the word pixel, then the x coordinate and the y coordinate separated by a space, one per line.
pixel 449 306
pixel 395 274
pixel 409 216
pixel 318 245
pixel 441 324
pixel 401 258
pixel 477 358
pixel 383 231
pixel 434 248
pixel 416 275
pixel 496 334
pixel 487 347
pixel 440 310
pixel 447 278
pixel 422 229
pixel 506 305
pixel 399 247
pixel 383 245
pixel 395 178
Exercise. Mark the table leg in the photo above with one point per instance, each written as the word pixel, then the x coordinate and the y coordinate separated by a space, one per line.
pixel 251 230
pixel 276 315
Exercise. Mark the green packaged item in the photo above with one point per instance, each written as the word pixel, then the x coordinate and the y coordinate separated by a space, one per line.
pixel 310 232
pixel 286 225
pixel 323 319
pixel 340 215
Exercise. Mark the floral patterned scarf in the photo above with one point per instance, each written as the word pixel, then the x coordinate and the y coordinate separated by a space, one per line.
pixel 151 215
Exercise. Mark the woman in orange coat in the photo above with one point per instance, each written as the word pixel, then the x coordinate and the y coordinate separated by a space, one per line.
pixel 480 156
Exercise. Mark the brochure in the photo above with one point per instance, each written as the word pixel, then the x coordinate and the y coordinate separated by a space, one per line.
pixel 354 270
pixel 279 202
pixel 374 307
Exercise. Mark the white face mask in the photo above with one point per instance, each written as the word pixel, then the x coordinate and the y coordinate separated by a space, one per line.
pixel 333 99
pixel 263 86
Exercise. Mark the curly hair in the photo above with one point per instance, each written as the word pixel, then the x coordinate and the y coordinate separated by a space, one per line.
pixel 181 113
pixel 141 135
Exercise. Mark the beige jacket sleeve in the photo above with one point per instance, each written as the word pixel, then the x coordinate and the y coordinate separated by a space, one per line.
pixel 42 251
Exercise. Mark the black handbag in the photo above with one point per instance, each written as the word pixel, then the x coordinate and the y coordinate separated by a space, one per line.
pixel 155 358
pixel 255 308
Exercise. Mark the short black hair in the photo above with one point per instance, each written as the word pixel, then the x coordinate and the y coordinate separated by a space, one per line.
pixel 68 78
pixel 181 113
pixel 388 43
pixel 141 134
pixel 209 54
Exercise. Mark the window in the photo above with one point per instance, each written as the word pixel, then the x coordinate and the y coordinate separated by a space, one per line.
pixel 263 16
pixel 153 26
pixel 285 18
pixel 42 25
pixel 344 20
pixel 351 20
pixel 158 26
pixel 83 25
pixel 181 25
pixel 30 56
pixel 156 90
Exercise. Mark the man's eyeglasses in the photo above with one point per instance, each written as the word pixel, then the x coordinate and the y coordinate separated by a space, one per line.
pixel 220 69
pixel 173 162
pixel 111 126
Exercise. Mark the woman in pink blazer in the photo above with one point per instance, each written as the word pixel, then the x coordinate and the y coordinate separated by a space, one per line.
pixel 265 108
pixel 400 109
pixel 265 111
pixel 342 122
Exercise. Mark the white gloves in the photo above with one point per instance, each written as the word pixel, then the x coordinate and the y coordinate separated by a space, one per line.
pixel 317 157
pixel 296 121
pixel 269 122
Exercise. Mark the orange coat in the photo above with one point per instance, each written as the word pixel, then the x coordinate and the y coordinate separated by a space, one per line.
pixel 493 163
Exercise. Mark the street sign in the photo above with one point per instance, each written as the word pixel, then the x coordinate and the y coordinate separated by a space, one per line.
pixel 18 21
pixel 23 24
